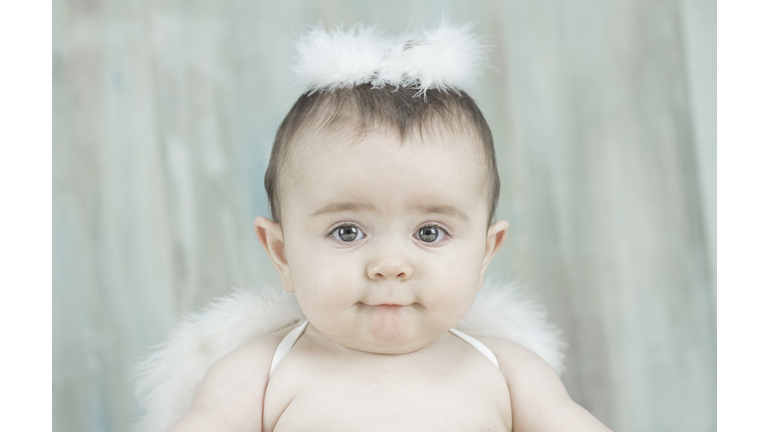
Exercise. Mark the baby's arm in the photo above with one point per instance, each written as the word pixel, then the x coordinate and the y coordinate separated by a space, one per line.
pixel 540 402
pixel 231 396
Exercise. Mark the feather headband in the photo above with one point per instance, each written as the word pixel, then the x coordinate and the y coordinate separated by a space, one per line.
pixel 445 57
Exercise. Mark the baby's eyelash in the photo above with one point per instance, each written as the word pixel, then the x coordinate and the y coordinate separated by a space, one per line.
pixel 437 225
pixel 336 226
pixel 436 237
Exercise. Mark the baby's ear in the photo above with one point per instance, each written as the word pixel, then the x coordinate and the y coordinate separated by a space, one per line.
pixel 270 236
pixel 497 234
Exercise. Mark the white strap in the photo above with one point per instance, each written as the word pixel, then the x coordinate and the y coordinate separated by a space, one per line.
pixel 477 344
pixel 286 344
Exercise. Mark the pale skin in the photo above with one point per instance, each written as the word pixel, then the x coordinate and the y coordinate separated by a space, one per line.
pixel 385 246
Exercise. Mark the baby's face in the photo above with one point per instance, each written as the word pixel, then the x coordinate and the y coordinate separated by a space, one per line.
pixel 385 244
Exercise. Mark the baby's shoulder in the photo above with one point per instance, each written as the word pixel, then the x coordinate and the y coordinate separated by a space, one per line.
pixel 512 354
pixel 253 358
pixel 539 399
pixel 232 390
pixel 526 373
pixel 260 349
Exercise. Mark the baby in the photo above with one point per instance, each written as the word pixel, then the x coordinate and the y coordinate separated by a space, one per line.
pixel 383 199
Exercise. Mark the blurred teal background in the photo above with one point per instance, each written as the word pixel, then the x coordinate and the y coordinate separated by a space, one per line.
pixel 604 117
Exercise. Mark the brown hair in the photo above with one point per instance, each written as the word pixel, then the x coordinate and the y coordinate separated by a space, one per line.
pixel 362 108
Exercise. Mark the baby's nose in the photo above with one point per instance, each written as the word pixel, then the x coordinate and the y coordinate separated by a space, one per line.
pixel 390 266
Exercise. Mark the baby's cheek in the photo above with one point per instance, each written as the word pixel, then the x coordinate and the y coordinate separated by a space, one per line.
pixel 456 285
pixel 450 296
pixel 325 285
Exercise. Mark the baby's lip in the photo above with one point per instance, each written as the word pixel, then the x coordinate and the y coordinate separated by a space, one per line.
pixel 390 304
pixel 390 308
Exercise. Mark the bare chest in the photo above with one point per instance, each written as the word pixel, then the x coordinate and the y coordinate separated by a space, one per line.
pixel 468 394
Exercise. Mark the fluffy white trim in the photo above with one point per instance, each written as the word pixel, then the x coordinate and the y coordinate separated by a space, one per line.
pixel 167 380
pixel 446 57
pixel 505 311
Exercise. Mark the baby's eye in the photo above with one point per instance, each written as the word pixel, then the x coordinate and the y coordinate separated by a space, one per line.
pixel 347 233
pixel 430 234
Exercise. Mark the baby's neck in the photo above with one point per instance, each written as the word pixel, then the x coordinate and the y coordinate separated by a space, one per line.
pixel 322 342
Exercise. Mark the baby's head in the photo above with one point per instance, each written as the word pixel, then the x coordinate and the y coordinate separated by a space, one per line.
pixel 382 205
pixel 382 186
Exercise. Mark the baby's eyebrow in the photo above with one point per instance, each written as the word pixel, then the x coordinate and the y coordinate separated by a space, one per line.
pixel 443 209
pixel 343 206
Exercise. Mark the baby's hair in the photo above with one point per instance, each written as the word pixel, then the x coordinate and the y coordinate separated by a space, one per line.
pixel 361 109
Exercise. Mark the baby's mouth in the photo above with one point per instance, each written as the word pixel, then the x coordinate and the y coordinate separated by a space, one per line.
pixel 391 307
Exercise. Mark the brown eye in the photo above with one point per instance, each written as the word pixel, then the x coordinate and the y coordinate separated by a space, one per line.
pixel 348 233
pixel 429 234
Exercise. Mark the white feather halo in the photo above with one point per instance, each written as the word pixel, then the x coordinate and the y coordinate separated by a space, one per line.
pixel 445 57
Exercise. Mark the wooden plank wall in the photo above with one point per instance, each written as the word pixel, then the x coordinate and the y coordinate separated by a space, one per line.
pixel 603 113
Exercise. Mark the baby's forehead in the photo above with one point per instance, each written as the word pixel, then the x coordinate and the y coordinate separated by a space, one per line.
pixel 328 153
pixel 381 175
pixel 339 137
pixel 353 156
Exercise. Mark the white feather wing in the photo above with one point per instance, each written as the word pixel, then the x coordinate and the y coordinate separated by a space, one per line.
pixel 505 311
pixel 168 378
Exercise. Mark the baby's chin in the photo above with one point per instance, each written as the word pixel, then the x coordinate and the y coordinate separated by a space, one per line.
pixel 386 329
